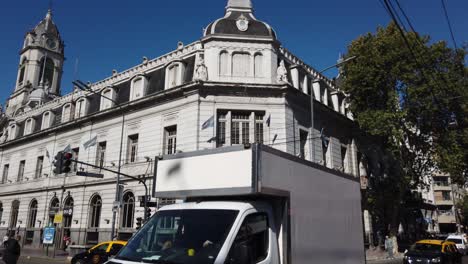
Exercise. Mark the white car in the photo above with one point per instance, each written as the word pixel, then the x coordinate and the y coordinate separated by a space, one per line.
pixel 460 241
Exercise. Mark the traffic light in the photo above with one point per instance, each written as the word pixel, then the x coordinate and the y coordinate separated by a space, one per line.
pixel 62 162
pixel 147 213
pixel 66 162
pixel 58 162
pixel 138 223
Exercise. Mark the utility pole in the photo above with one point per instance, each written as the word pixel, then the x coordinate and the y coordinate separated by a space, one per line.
pixel 84 87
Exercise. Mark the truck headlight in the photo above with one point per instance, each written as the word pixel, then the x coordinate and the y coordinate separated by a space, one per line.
pixel 435 260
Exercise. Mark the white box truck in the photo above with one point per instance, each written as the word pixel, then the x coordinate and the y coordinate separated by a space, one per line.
pixel 250 204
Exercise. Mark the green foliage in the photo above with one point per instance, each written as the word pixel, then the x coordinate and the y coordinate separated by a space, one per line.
pixel 463 207
pixel 415 103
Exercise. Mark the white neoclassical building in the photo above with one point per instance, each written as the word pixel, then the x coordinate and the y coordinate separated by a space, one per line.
pixel 237 84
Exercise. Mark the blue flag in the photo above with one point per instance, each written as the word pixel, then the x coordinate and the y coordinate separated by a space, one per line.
pixel 268 121
pixel 90 142
pixel 208 123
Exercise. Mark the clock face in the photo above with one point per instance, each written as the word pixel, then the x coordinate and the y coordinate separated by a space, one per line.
pixel 51 44
pixel 242 23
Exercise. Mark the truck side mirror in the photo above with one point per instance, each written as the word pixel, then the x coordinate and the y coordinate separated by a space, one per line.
pixel 240 254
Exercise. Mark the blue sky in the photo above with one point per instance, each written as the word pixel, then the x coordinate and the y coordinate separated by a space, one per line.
pixel 115 34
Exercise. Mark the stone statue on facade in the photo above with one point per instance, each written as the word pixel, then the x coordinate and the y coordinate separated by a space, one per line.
pixel 4 136
pixel 201 72
pixel 282 73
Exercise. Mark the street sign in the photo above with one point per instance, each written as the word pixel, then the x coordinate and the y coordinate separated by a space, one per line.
pixel 149 204
pixel 58 217
pixel 49 233
pixel 89 174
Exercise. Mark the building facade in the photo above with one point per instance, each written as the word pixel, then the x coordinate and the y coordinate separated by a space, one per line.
pixel 237 84
pixel 446 197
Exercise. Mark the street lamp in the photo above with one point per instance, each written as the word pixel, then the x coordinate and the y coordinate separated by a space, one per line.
pixel 315 82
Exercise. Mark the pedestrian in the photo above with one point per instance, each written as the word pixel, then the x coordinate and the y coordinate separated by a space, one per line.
pixel 12 251
pixel 389 247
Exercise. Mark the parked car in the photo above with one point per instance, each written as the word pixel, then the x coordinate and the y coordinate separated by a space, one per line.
pixel 433 251
pixel 460 241
pixel 99 253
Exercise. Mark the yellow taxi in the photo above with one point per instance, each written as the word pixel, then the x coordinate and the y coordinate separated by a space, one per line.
pixel 432 251
pixel 99 253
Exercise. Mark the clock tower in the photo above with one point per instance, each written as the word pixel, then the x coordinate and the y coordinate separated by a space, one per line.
pixel 40 68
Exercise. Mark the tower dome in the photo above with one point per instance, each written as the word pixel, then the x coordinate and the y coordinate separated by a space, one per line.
pixel 47 27
pixel 240 21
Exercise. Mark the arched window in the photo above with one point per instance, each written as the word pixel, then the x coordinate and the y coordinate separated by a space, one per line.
pixel 68 212
pixel 138 88
pixel 241 64
pixel 32 214
pixel 29 126
pixel 22 71
pixel 174 74
pixel 95 211
pixel 67 111
pixel 53 209
pixel 258 65
pixel 47 119
pixel 224 63
pixel 107 98
pixel 14 213
pixel 13 133
pixel 47 71
pixel 128 210
pixel 81 108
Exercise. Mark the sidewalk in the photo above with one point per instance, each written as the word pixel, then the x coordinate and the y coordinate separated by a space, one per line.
pixel 378 256
pixel 41 253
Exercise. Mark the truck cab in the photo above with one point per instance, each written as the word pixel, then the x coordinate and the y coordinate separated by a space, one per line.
pixel 206 233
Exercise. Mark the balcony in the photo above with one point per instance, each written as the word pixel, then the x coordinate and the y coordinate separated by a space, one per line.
pixel 443 202
pixel 441 186
pixel 446 217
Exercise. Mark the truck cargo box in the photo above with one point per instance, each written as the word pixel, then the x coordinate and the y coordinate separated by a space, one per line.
pixel 324 224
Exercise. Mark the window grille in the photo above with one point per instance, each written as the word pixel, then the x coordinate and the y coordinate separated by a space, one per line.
pixel 171 140
pixel 6 167
pixel 128 210
pixel 53 209
pixel 14 213
pixel 101 154
pixel 132 151
pixel 95 211
pixel 39 166
pixel 32 214
pixel 21 170
pixel 302 143
pixel 240 126
pixel 259 128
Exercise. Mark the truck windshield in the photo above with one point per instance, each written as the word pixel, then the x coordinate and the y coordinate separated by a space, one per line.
pixel 180 236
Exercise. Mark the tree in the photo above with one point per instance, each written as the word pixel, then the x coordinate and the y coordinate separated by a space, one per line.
pixel 414 100
pixel 463 207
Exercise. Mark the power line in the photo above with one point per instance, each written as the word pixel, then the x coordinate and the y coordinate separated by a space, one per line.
pixel 449 24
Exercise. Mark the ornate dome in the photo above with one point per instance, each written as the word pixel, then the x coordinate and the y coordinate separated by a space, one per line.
pixel 240 21
pixel 38 95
